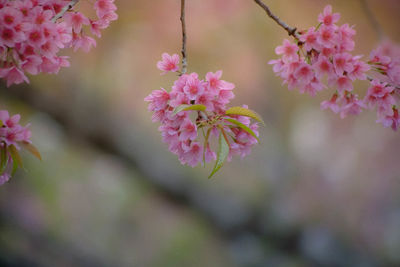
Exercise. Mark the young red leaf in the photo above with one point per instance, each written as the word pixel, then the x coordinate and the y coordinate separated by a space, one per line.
pixel 32 149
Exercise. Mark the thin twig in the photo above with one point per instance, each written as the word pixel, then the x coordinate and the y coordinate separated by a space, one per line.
pixel 70 5
pixel 183 22
pixel 372 19
pixel 290 30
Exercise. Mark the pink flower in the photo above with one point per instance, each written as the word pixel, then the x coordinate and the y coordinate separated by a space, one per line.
pixel 342 63
pixel 312 87
pixel 158 100
pixel 332 104
pixel 380 94
pixel 278 65
pixel 206 99
pixel 323 66
pixel 359 69
pixel 193 154
pixel 11 134
pixel 9 37
pixel 188 131
pixel 10 17
pixel 215 83
pixel 13 75
pixel 36 38
pixel 310 39
pixel 304 73
pixel 180 129
pixel 168 63
pixel 327 37
pixel 287 50
pixel 346 34
pixel 209 154
pixel 193 88
pixel 83 42
pixel 327 18
pixel 392 120
pixel 104 7
pixel 76 20
pixel 342 83
pixel 5 177
pixel 352 106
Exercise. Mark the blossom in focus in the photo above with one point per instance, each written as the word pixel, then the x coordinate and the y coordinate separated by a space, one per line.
pixel 194 112
pixel 168 63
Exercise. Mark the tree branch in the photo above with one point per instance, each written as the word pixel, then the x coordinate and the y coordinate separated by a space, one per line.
pixel 290 30
pixel 70 5
pixel 183 22
pixel 372 19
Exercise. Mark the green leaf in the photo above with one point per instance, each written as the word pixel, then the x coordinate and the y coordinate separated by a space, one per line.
pixel 1 123
pixel 14 168
pixel 222 154
pixel 32 149
pixel 244 127
pixel 17 160
pixel 3 159
pixel 15 156
pixel 241 111
pixel 189 107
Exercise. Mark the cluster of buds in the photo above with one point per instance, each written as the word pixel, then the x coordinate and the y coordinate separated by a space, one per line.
pixel 32 32
pixel 194 112
pixel 13 136
pixel 320 58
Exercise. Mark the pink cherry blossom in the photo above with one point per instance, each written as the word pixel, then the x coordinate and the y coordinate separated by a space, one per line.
pixel 168 63
pixel 310 39
pixel 11 134
pixel 390 120
pixel 342 63
pixel 327 18
pixel 332 104
pixel 76 20
pixel 352 106
pixel 30 41
pixel 189 133
pixel 323 66
pixel 193 88
pixel 327 37
pixel 343 84
pixel 13 75
pixel 288 50
pixel 323 53
pixel 304 73
pixel 188 130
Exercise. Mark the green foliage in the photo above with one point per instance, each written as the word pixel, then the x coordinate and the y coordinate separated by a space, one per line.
pixel 242 126
pixel 3 159
pixel 241 111
pixel 185 107
pixel 223 152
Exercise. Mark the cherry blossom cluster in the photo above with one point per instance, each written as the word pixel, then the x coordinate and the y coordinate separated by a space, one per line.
pixel 321 58
pixel 194 111
pixel 13 136
pixel 32 32
pixel 384 93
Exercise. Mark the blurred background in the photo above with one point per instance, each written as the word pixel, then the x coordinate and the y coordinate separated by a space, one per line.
pixel 317 191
